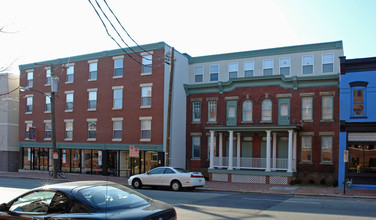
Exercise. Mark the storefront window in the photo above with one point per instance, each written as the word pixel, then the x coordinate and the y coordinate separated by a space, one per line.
pixel 97 162
pixel 75 161
pixel 26 158
pixel 124 164
pixel 86 161
pixel 65 159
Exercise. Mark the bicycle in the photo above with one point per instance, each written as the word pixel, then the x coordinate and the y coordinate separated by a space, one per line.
pixel 59 172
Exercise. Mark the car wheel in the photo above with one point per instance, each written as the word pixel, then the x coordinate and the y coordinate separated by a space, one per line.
pixel 137 184
pixel 176 185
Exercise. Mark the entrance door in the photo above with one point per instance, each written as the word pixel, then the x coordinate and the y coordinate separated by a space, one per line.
pixel 284 111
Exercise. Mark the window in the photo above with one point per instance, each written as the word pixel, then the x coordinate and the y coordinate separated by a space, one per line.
pixel 145 129
pixel 92 100
pixel 214 71
pixel 248 69
pixel 199 74
pixel 268 67
pixel 196 111
pixel 247 111
pixel 231 112
pixel 92 129
pixel 118 98
pixel 196 147
pixel 284 66
pixel 307 108
pixel 327 107
pixel 212 113
pixel 48 76
pixel 47 130
pixel 29 128
pixel 70 74
pixel 233 70
pixel 117 129
pixel 29 104
pixel 47 106
pixel 69 101
pixel 118 67
pixel 147 64
pixel 306 148
pixel 27 203
pixel 266 110
pixel 327 63
pixel 30 77
pixel 307 64
pixel 326 148
pixel 93 69
pixel 358 94
pixel 69 129
pixel 146 96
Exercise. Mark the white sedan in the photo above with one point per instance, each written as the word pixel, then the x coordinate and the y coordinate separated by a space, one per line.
pixel 176 178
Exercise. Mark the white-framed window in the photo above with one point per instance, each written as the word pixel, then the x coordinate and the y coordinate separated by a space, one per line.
pixel 307 63
pixel 307 108
pixel 266 110
pixel 147 64
pixel 327 63
pixel 117 97
pixel 233 70
pixel 29 104
pixel 199 74
pixel 306 149
pixel 70 74
pixel 30 78
pixel 145 128
pixel 118 67
pixel 214 71
pixel 93 70
pixel 146 95
pixel 212 113
pixel 268 67
pixel 48 76
pixel 247 111
pixel 196 147
pixel 284 66
pixel 249 68
pixel 69 100
pixel 92 99
pixel 47 106
pixel 68 129
pixel 117 125
pixel 28 126
pixel 326 149
pixel 92 129
pixel 327 107
pixel 47 130
pixel 196 110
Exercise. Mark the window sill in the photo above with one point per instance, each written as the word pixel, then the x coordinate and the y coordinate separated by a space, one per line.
pixel 68 82
pixel 145 140
pixel 197 159
pixel 145 74
pixel 91 139
pixel 68 110
pixel 326 163
pixel 116 139
pixel 68 139
pixel 28 113
pixel 90 80
pixel 117 77
pixel 47 84
pixel 47 139
pixel 146 106
pixel 326 120
pixel 92 110
pixel 247 122
pixel 117 108
pixel 47 112
pixel 195 122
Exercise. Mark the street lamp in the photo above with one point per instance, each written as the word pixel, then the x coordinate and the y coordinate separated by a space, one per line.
pixel 54 88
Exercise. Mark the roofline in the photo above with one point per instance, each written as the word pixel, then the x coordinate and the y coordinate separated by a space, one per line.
pixel 268 52
pixel 97 55
pixel 357 65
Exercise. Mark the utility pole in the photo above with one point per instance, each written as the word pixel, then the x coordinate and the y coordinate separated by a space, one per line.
pixel 168 135
pixel 53 129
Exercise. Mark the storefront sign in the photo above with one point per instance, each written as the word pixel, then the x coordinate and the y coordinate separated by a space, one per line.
pixel 100 158
pixel 134 152
pixel 55 155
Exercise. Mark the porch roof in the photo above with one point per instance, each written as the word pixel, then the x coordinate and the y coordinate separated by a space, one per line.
pixel 256 128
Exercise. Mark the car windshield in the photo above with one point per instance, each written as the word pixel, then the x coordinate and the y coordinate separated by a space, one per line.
pixel 180 170
pixel 112 197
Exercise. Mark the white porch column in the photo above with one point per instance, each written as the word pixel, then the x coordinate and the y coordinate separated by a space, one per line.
pixel 211 166
pixel 274 151
pixel 220 149
pixel 289 160
pixel 238 150
pixel 294 152
pixel 230 150
pixel 268 151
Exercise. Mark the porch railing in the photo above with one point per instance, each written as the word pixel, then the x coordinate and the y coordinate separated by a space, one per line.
pixel 251 163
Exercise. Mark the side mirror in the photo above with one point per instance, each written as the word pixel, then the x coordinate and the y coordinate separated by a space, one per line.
pixel 3 207
pixel 147 173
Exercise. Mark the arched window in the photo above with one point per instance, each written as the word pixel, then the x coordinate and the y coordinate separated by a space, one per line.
pixel 247 111
pixel 266 110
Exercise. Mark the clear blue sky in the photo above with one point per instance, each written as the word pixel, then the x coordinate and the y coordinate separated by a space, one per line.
pixel 43 30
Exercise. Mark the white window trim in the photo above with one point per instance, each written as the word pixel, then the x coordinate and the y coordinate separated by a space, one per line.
pixel 91 120
pixel 68 92
pixel 147 53
pixel 237 69
pixel 28 96
pixel 281 58
pixel 244 69
pixel 148 118
pixel 146 85
pixel 117 88
pixel 215 64
pixel 313 64
pixel 263 65
pixel 113 120
pixel 322 62
pixel 67 65
pixel 92 90
pixel 44 122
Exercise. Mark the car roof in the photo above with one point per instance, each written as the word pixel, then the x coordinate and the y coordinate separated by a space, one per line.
pixel 69 186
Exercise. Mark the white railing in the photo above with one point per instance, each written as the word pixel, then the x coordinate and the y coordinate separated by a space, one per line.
pixel 251 163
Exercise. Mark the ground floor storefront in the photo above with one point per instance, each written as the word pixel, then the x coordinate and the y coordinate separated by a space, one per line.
pixel 95 159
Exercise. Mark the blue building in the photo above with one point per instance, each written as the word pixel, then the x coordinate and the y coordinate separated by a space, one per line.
pixel 357 144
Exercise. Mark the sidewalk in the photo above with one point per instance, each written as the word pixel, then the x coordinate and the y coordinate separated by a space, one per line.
pixel 218 186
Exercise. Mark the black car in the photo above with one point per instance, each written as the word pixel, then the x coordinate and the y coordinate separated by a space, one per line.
pixel 85 200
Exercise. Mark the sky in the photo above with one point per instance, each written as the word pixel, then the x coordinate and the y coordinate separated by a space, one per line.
pixel 41 30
